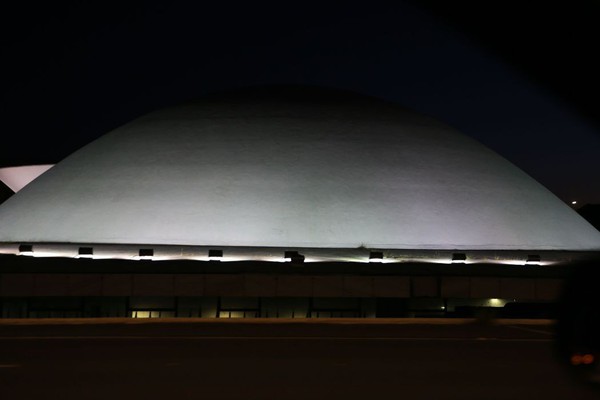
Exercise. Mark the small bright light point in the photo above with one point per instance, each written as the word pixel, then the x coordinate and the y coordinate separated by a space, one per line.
pixel 573 202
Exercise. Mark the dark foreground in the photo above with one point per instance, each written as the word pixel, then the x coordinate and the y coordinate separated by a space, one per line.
pixel 242 360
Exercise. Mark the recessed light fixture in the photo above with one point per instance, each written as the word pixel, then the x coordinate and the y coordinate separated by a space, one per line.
pixel 293 256
pixel 459 258
pixel 25 250
pixel 376 256
pixel 85 252
pixel 146 254
pixel 533 259
pixel 215 255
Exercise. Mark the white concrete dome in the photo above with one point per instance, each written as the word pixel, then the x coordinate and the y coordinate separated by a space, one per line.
pixel 291 167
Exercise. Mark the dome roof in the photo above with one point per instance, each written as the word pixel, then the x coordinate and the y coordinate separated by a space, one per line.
pixel 292 167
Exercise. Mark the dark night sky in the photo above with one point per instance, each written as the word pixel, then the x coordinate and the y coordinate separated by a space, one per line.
pixel 521 78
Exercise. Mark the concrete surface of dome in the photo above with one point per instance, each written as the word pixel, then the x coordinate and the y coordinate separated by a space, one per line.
pixel 292 167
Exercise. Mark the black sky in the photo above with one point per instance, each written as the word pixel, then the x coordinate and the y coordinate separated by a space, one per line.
pixel 521 78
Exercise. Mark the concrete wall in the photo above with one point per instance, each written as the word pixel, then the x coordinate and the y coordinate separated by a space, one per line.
pixel 266 285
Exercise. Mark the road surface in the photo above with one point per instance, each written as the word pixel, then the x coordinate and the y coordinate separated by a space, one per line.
pixel 278 360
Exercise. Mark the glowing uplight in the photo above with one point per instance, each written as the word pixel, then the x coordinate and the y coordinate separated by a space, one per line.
pixel 26 250
pixel 376 256
pixel 533 259
pixel 293 256
pixel 459 258
pixel 301 256
pixel 85 252
pixel 288 255
pixel 146 254
pixel 215 255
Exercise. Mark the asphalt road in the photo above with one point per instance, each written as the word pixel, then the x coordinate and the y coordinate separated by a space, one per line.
pixel 283 361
